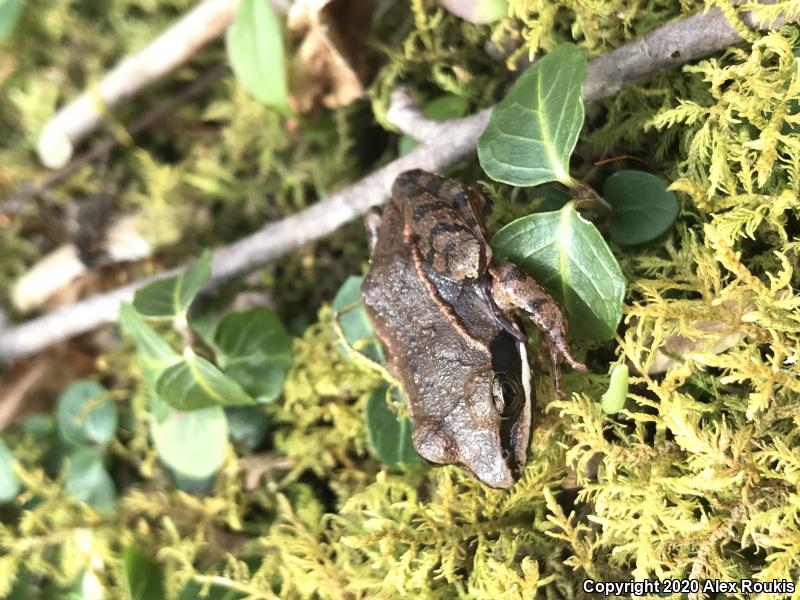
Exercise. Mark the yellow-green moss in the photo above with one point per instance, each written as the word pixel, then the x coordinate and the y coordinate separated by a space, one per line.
pixel 696 477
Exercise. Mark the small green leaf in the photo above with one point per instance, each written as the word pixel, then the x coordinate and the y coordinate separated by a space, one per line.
pixel 86 478
pixel 9 482
pixel 169 298
pixel 353 320
pixel 192 443
pixel 39 425
pixel 255 50
pixel 196 383
pixel 533 130
pixel 86 415
pixel 144 579
pixel 9 13
pixel 388 436
pixel 641 207
pixel 247 425
pixel 154 354
pixel 568 256
pixel 614 398
pixel 254 349
pixel 477 11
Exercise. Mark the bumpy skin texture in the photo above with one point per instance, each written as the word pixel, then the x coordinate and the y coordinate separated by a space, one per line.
pixel 458 355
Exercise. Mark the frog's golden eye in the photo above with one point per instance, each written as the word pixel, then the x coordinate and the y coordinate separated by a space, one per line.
pixel 505 395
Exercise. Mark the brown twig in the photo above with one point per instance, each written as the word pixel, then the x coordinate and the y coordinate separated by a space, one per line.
pixel 665 47
pixel 206 22
pixel 405 114
pixel 148 119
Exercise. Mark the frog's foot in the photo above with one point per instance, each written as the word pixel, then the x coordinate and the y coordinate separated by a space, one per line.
pixel 513 289
pixel 372 222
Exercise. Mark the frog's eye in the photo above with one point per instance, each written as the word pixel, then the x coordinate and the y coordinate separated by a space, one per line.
pixel 505 395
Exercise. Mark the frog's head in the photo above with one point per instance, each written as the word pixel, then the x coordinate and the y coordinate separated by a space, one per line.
pixel 487 433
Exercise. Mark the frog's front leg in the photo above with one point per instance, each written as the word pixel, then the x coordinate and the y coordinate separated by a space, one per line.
pixel 513 289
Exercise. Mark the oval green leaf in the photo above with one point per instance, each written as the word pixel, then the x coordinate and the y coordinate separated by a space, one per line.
pixel 195 383
pixel 352 317
pixel 171 297
pixel 641 207
pixel 614 398
pixel 254 349
pixel 9 13
pixel 247 425
pixel 86 415
pixel 533 130
pixel 388 436
pixel 144 578
pixel 568 256
pixel 154 353
pixel 255 49
pixel 9 482
pixel 192 443
pixel 86 478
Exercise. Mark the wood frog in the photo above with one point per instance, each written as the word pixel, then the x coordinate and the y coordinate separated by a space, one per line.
pixel 447 317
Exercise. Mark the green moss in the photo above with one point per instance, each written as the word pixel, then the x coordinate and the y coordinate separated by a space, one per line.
pixel 697 476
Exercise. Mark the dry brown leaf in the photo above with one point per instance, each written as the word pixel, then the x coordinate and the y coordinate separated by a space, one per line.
pixel 714 337
pixel 331 66
pixel 711 337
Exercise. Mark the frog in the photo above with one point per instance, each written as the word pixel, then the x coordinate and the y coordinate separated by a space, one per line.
pixel 449 320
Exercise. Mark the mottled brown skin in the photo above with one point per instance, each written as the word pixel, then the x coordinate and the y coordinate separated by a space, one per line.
pixel 447 319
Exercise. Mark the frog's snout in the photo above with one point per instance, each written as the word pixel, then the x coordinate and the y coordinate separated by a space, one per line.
pixel 500 481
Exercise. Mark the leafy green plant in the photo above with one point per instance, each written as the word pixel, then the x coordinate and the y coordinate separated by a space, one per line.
pixel 9 482
pixel 9 13
pixel 188 391
pixel 533 130
pixel 641 207
pixel 87 421
pixel 86 415
pixel 568 256
pixel 529 140
pixel 255 50
pixel 697 477
pixel 388 436
pixel 143 578
pixel 352 318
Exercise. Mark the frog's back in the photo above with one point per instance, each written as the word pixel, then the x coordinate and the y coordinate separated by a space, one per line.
pixel 427 351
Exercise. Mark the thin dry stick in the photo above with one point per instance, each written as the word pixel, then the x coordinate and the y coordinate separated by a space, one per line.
pixel 665 47
pixel 174 47
pixel 148 119
pixel 404 114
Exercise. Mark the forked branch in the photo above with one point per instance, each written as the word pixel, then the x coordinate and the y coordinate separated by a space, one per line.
pixel 668 46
